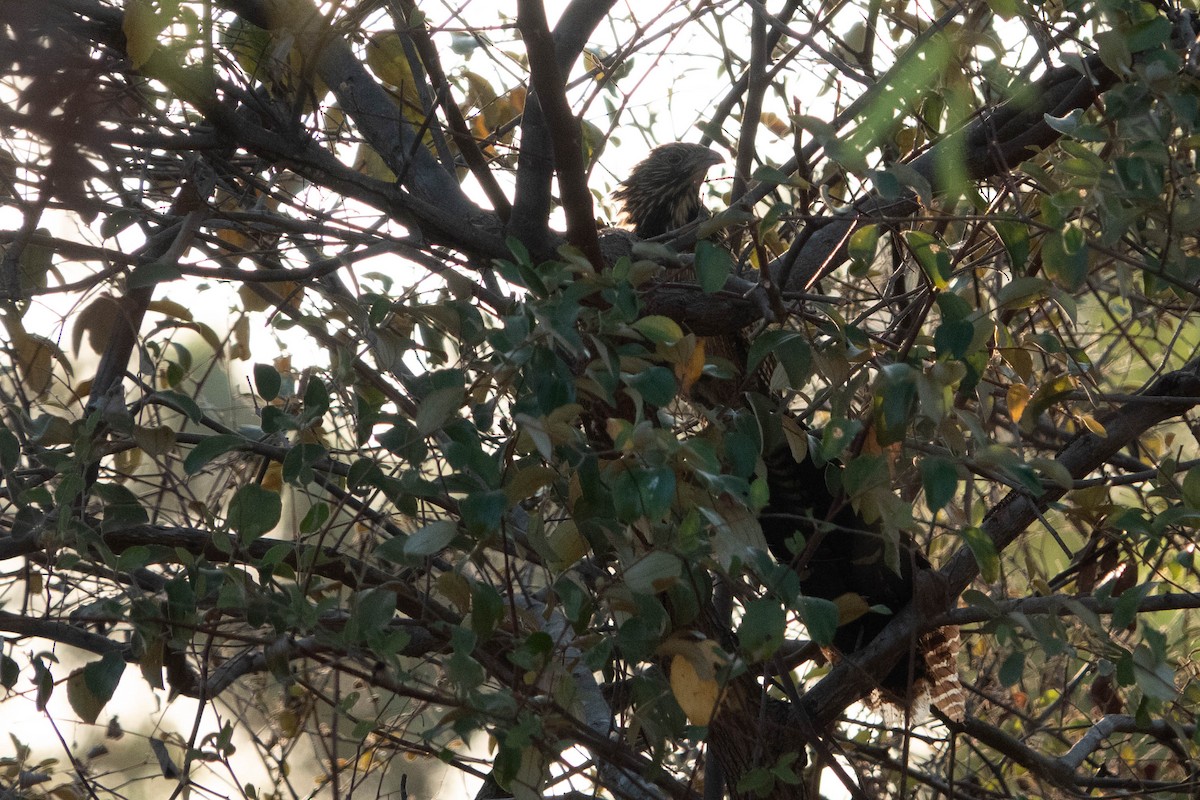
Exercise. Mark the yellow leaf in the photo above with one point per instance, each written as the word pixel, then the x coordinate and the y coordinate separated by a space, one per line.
pixel 126 461
pixel 454 587
pixel 1094 425
pixel 387 59
pixel 252 300
pixel 240 349
pixel 851 606
pixel 693 679
pixel 155 441
pixel 1018 398
pixel 141 27
pixel 169 308
pixel 33 356
pixel 369 163
pixel 273 480
pixel 775 124
pixel 96 322
pixel 690 371
pixel 527 482
pixel 1019 359
pixel 659 329
pixel 567 543
pixel 238 242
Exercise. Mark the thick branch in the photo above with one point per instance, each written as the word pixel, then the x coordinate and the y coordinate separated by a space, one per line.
pixel 378 118
pixel 853 677
pixel 565 134
pixel 531 205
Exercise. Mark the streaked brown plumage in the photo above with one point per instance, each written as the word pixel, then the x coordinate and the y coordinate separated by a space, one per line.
pixel 662 192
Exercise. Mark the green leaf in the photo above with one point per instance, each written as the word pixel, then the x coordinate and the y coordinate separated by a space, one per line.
pixel 862 246
pixel 1072 124
pixel 316 518
pixel 769 174
pixel 10 671
pixel 267 381
pixel 933 256
pixel 121 506
pixel 760 633
pixel 437 409
pixel 1013 669
pixel 984 550
pixel 210 448
pixel 953 338
pixel 185 404
pixel 316 401
pixel 939 479
pixel 1065 257
pixel 91 687
pixel 297 464
pixel 713 265
pixel 639 492
pixel 1146 35
pixel 430 539
pixel 1126 606
pixel 659 329
pixel 10 450
pixel 487 608
pixel 788 347
pixel 1191 488
pixel 152 274
pixel 656 385
pixel 1021 292
pixel 482 511
pixel 1154 677
pixel 253 511
pixel 820 617
pixel 895 396
pixel 1015 237
pixel 373 611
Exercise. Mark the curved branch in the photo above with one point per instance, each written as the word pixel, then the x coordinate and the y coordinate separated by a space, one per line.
pixel 990 145
pixel 853 677
pixel 378 118
pixel 1062 771
pixel 328 562
pixel 566 136
pixel 1065 605
pixel 535 168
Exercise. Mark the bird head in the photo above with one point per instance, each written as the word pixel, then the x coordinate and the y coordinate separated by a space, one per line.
pixel 662 192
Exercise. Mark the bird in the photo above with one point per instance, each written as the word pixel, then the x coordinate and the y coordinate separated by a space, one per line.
pixel 662 193
pixel 843 555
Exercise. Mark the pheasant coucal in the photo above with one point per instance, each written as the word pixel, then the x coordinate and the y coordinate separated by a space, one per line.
pixel 663 191
pixel 843 554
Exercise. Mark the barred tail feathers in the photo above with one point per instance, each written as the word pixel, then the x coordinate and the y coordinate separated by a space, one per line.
pixel 946 694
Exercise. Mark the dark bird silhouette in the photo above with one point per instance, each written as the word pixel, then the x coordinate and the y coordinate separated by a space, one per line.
pixel 663 191
pixel 842 555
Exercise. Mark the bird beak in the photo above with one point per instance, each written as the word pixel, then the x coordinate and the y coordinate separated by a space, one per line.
pixel 710 160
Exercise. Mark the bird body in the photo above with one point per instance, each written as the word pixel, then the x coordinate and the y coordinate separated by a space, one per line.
pixel 843 554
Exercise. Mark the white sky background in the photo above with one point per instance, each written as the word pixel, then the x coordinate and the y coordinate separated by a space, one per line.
pixel 674 85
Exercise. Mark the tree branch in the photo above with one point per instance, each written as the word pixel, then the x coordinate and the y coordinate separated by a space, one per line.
pixel 378 118
pixel 565 134
pixel 535 170
pixel 851 678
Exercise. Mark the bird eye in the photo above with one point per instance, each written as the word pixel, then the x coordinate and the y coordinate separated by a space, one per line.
pixel 675 158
